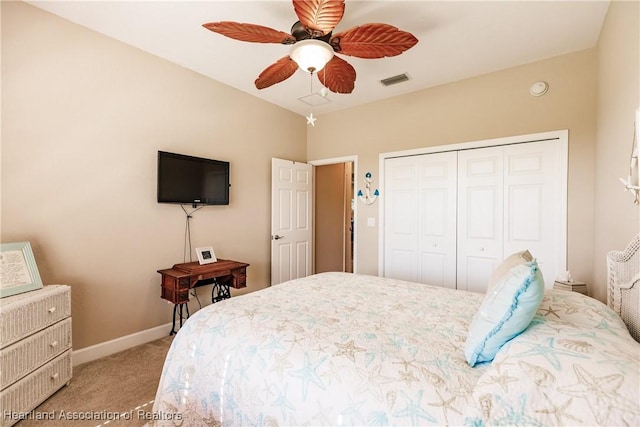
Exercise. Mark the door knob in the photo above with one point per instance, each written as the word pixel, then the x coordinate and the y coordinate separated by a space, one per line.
pixel 276 237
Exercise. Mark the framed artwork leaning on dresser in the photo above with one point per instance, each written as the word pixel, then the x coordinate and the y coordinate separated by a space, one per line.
pixel 18 269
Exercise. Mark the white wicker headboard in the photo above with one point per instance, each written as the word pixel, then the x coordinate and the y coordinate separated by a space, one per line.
pixel 623 285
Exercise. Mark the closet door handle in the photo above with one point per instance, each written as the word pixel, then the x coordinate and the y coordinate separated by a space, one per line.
pixel 276 237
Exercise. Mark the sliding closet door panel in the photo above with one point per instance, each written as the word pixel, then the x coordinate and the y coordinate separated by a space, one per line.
pixel 532 201
pixel 401 218
pixel 480 216
pixel 437 220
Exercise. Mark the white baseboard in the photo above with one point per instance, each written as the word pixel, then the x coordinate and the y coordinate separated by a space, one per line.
pixel 106 348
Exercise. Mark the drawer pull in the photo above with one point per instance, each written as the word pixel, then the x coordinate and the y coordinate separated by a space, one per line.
pixel 52 309
pixel 55 376
pixel 54 344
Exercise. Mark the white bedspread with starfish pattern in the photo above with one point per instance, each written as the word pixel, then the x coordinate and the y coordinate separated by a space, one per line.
pixel 344 349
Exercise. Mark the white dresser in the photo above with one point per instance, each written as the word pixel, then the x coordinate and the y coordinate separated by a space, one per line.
pixel 35 349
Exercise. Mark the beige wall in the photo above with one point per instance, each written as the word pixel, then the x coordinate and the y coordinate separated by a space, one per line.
pixel 616 217
pixel 489 106
pixel 82 119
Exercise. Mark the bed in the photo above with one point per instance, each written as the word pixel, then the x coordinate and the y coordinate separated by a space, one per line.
pixel 348 349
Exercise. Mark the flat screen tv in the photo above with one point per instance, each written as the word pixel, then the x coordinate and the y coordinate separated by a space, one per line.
pixel 192 180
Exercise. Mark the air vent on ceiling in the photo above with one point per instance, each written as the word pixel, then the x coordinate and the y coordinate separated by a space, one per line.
pixel 395 79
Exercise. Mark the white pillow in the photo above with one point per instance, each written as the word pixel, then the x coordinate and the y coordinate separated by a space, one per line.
pixel 506 265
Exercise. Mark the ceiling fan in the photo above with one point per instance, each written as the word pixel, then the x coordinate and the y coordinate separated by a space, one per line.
pixel 312 38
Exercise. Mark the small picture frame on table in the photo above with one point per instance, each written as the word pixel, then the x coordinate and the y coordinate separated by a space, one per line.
pixel 206 255
pixel 18 269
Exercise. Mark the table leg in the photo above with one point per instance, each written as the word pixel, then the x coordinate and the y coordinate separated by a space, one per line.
pixel 178 310
pixel 220 291
pixel 173 325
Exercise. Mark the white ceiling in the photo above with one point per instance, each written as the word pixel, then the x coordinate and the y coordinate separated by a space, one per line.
pixel 457 39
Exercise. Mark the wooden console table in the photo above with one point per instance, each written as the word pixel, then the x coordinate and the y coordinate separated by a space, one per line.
pixel 179 279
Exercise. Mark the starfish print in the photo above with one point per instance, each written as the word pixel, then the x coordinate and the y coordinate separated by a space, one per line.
pixel 549 310
pixel 321 348
pixel 406 363
pixel 308 374
pixel 295 340
pixel 399 307
pixel 443 364
pixel 282 401
pixel 353 411
pixel 515 412
pixel 407 377
pixel 273 344
pixel 603 325
pixel 311 120
pixel 547 350
pixel 282 325
pixel 445 404
pixel 266 390
pixel 218 329
pixel 349 349
pixel 503 380
pixel 281 363
pixel 414 411
pixel 251 313
pixel 321 417
pixel 558 411
pixel 600 393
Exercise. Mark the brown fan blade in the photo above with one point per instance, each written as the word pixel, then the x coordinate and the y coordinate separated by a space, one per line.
pixel 373 41
pixel 319 16
pixel 250 32
pixel 281 70
pixel 338 76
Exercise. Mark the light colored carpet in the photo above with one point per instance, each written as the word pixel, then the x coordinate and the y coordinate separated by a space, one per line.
pixel 120 385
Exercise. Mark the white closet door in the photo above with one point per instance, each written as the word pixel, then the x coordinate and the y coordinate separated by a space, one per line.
pixel 480 216
pixel 437 219
pixel 451 217
pixel 532 202
pixel 420 218
pixel 401 218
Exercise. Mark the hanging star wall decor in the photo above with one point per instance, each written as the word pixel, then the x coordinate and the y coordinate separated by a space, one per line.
pixel 311 120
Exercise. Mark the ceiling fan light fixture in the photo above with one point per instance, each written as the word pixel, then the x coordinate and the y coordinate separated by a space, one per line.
pixel 311 55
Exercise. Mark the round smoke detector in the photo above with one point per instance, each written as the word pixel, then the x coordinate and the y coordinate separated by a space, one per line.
pixel 539 88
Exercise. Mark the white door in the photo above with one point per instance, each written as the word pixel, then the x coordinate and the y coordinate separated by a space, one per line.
pixel 532 197
pixel 401 218
pixel 420 244
pixel 480 216
pixel 437 228
pixel 291 224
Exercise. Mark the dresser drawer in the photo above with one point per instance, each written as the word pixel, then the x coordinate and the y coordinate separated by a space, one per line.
pixel 23 314
pixel 178 296
pixel 35 388
pixel 22 357
pixel 239 278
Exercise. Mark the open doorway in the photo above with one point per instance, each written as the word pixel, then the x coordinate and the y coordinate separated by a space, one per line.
pixel 334 217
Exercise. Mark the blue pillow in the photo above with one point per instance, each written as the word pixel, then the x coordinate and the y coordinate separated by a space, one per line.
pixel 506 311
